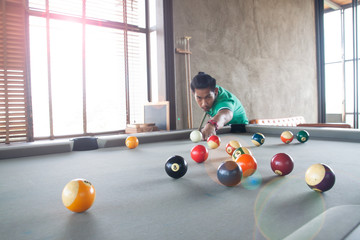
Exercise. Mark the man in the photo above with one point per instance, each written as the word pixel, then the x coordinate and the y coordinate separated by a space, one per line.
pixel 222 106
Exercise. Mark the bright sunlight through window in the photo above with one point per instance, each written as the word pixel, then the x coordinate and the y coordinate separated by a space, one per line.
pixel 88 65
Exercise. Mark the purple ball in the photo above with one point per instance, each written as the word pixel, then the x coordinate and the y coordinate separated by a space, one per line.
pixel 320 177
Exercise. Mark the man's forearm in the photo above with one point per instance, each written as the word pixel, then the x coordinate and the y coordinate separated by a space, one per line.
pixel 223 117
pixel 218 121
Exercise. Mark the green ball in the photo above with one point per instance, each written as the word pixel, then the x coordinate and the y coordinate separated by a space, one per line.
pixel 302 136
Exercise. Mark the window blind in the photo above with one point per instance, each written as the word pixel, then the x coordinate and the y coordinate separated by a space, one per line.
pixel 13 75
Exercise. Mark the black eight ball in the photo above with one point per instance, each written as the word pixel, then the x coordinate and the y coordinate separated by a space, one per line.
pixel 176 166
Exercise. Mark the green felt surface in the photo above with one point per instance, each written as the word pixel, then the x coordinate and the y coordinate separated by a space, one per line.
pixel 137 200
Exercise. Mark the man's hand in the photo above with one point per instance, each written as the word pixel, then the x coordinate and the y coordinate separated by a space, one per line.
pixel 221 118
pixel 208 130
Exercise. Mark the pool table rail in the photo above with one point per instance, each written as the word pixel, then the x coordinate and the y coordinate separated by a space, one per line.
pixel 59 146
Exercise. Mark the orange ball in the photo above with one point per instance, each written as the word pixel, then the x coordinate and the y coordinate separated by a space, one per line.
pixel 247 163
pixel 287 137
pixel 78 195
pixel 132 142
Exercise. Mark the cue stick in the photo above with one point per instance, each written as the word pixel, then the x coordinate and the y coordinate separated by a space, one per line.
pixel 187 54
pixel 188 79
pixel 202 121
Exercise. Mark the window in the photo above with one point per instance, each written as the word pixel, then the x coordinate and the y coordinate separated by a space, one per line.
pixel 341 78
pixel 88 65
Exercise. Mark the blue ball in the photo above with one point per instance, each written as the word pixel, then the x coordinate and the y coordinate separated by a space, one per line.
pixel 258 139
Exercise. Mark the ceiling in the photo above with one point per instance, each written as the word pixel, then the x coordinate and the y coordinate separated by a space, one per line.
pixel 335 4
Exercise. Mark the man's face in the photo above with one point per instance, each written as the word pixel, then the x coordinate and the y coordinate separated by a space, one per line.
pixel 205 98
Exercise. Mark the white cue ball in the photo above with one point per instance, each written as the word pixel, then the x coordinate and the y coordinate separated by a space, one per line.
pixel 196 136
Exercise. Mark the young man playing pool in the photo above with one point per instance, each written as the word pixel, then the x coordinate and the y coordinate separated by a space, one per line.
pixel 222 106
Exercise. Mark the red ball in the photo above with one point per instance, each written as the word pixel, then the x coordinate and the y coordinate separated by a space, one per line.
pixel 213 141
pixel 199 153
pixel 282 164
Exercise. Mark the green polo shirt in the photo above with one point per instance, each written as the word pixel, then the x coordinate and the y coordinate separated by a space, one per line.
pixel 227 100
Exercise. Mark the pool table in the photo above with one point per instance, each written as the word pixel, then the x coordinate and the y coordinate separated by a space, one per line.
pixel 136 199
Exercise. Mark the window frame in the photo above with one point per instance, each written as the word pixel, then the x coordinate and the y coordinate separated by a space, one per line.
pixel 344 61
pixel 109 24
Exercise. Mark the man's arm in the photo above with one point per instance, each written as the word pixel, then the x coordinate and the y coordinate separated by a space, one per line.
pixel 221 119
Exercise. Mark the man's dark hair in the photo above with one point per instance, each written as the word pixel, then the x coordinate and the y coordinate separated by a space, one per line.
pixel 203 80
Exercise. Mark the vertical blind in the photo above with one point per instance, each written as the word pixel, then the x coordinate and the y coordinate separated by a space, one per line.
pixel 14 108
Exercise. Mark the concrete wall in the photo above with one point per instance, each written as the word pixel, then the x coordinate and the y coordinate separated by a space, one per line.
pixel 261 50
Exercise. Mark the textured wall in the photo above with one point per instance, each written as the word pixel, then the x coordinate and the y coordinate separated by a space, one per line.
pixel 261 50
